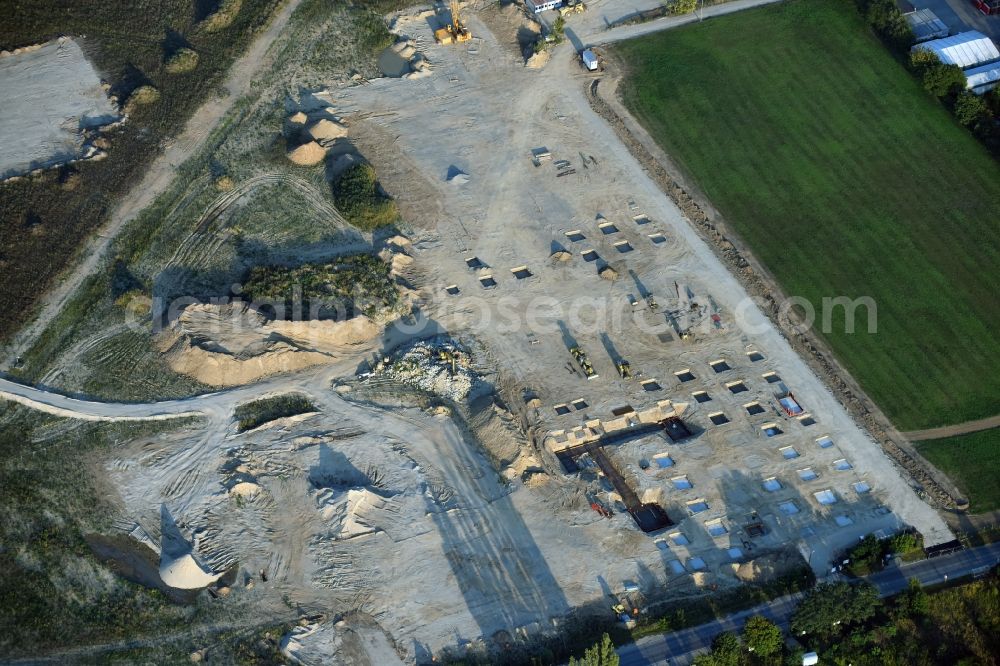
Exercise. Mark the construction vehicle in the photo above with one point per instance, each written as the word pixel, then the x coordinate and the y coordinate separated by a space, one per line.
pixel 572 7
pixel 449 358
pixel 624 369
pixel 455 30
pixel 585 365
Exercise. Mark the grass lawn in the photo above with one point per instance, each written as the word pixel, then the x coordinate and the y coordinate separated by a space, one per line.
pixel 972 462
pixel 846 179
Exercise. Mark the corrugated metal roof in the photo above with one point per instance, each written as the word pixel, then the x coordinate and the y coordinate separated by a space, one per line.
pixel 926 25
pixel 966 49
pixel 984 75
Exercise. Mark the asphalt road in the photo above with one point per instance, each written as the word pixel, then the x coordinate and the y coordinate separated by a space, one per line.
pixel 961 16
pixel 680 647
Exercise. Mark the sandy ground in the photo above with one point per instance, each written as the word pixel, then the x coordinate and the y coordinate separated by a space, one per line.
pixel 396 513
pixel 51 94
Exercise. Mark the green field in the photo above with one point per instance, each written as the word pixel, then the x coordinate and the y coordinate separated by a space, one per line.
pixel 845 179
pixel 972 462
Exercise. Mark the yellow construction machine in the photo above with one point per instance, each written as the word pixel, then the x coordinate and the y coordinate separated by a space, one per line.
pixel 572 7
pixel 455 31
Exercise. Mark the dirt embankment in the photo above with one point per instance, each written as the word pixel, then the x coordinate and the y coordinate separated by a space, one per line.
pixel 768 296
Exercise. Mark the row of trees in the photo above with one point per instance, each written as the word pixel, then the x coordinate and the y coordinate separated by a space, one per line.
pixel 979 113
pixel 850 624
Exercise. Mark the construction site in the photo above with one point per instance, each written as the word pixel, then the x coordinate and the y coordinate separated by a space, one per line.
pixel 574 404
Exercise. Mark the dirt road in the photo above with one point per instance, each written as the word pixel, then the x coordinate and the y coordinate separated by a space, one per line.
pixel 158 178
pixel 597 35
pixel 966 428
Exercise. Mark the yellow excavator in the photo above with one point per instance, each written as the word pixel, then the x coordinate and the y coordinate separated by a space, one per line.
pixel 454 31
pixel 572 7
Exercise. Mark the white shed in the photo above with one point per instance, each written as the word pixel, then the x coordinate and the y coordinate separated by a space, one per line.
pixel 966 49
pixel 983 78
pixel 589 60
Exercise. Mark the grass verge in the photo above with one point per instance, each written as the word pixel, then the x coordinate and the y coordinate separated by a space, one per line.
pixel 973 463
pixel 846 179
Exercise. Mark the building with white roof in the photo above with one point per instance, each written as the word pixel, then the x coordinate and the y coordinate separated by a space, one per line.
pixel 966 49
pixel 984 78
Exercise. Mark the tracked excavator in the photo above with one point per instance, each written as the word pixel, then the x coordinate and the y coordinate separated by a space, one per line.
pixel 455 31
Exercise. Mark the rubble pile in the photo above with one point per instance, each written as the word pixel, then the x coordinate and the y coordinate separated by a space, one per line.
pixel 438 365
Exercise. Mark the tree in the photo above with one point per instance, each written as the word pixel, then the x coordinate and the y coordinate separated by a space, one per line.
pixel 970 110
pixel 832 606
pixel 942 80
pixel 762 637
pixel 914 601
pixel 866 556
pixel 601 654
pixel 727 650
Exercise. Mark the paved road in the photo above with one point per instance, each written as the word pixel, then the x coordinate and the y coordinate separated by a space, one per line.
pixel 680 647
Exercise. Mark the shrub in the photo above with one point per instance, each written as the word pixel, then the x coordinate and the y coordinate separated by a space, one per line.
pixel 601 654
pixel 942 80
pixel 357 196
pixel 252 414
pixel 971 109
pixel 938 78
pixel 183 60
pixel 866 556
pixel 222 17
pixel 887 21
pixel 142 96
pixel 678 7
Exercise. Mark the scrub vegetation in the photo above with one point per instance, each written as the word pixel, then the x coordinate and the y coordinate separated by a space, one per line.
pixel 54 592
pixel 253 414
pixel 349 285
pixel 846 179
pixel 42 221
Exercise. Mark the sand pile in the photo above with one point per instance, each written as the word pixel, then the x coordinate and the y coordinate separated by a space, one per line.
pixel 308 154
pixel 231 344
pixel 178 566
pixel 298 118
pixel 326 130
pixel 352 513
pixel 561 255
pixel 766 567
pixel 537 60
pixel 353 642
pixel 608 273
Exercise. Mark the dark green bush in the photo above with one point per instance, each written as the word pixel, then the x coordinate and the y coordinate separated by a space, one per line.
pixel 357 195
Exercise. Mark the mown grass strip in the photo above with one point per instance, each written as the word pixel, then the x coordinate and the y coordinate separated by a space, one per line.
pixel 846 179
